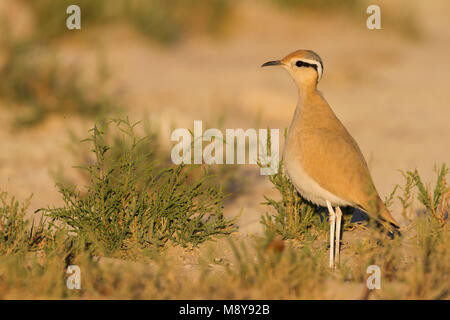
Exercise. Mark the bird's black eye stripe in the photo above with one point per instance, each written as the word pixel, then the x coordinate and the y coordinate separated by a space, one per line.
pixel 300 63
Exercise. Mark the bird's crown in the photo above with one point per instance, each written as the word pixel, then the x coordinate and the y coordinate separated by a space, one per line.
pixel 300 59
pixel 306 59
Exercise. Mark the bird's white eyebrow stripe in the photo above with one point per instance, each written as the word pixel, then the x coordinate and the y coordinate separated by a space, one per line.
pixel 317 64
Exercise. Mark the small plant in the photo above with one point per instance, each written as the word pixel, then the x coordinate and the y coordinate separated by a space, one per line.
pixel 407 198
pixel 437 201
pixel 428 273
pixel 129 206
pixel 15 232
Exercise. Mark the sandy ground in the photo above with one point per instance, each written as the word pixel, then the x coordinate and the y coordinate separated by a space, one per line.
pixel 390 91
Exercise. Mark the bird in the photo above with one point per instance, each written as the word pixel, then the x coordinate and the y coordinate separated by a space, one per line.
pixel 322 160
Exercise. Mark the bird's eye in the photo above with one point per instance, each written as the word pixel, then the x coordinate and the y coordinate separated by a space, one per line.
pixel 299 63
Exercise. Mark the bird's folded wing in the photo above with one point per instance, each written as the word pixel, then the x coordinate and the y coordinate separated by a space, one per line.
pixel 333 159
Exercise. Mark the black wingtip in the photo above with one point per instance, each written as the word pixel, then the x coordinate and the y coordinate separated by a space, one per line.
pixel 394 231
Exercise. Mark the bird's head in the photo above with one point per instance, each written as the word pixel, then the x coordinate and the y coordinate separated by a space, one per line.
pixel 305 66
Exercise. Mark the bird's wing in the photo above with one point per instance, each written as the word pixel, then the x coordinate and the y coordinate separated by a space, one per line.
pixel 345 172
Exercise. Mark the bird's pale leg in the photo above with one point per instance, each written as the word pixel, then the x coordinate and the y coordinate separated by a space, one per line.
pixel 332 226
pixel 338 233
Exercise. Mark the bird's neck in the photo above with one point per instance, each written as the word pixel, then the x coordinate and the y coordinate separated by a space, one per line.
pixel 307 91
pixel 311 110
pixel 307 97
pixel 304 96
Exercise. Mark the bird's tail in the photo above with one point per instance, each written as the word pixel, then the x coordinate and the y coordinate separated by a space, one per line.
pixel 378 210
pixel 387 220
pixel 386 215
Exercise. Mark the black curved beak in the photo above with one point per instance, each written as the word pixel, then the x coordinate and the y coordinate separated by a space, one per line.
pixel 272 63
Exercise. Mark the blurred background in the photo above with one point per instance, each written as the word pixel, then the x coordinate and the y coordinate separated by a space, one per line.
pixel 170 62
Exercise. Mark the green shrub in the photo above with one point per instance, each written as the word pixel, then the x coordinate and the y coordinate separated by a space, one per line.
pixel 15 232
pixel 130 206
pixel 436 201
pixel 428 273
pixel 234 179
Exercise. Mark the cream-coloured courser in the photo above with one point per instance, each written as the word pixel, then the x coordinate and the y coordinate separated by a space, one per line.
pixel 321 158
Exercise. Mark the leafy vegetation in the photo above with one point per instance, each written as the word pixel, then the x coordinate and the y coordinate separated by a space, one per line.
pixel 413 266
pixel 436 201
pixel 15 232
pixel 130 206
pixel 234 180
